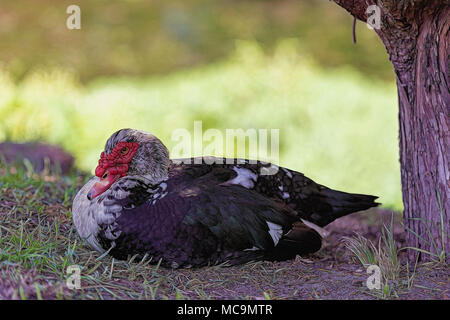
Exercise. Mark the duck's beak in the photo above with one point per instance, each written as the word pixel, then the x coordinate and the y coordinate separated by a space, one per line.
pixel 104 184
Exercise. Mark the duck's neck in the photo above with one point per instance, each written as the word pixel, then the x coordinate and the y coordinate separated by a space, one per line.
pixel 152 179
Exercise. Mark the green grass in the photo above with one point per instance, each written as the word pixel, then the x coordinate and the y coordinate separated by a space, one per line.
pixel 336 126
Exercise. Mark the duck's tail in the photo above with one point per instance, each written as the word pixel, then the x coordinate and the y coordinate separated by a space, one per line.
pixel 341 204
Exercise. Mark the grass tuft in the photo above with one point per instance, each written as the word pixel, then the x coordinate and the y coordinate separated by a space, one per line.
pixel 362 249
pixel 385 255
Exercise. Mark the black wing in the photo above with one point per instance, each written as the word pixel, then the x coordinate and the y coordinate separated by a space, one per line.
pixel 311 201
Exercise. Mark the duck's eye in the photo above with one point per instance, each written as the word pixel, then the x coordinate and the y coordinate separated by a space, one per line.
pixel 124 150
pixel 105 175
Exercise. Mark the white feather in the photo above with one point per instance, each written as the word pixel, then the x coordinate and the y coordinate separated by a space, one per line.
pixel 245 178
pixel 275 231
pixel 85 222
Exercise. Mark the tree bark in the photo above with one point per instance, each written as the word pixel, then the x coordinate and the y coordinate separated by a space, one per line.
pixel 416 36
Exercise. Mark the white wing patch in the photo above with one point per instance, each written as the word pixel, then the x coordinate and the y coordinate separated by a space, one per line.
pixel 245 178
pixel 275 231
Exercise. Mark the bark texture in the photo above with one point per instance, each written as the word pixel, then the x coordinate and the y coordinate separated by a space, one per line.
pixel 416 36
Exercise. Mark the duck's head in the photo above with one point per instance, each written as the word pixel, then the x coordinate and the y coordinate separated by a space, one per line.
pixel 130 152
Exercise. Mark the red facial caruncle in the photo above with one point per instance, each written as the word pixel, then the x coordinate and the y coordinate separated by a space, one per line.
pixel 111 167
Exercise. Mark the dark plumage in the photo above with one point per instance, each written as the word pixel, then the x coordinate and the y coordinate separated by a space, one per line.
pixel 197 214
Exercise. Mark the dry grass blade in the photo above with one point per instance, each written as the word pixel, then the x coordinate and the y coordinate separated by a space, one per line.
pixel 362 249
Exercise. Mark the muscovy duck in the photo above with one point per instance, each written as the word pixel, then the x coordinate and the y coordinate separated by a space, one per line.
pixel 204 211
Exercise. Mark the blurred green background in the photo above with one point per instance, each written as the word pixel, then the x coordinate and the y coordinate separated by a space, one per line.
pixel 160 65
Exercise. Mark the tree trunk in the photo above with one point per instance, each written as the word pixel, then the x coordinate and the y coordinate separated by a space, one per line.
pixel 416 36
